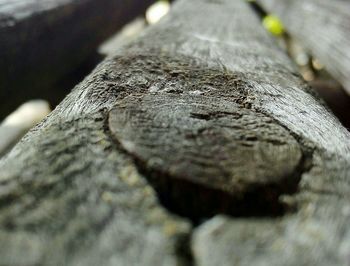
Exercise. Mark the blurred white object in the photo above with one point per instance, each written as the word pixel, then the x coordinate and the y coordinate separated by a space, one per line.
pixel 156 11
pixel 20 121
pixel 128 33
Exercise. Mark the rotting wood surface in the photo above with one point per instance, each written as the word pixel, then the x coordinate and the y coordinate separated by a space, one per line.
pixel 202 116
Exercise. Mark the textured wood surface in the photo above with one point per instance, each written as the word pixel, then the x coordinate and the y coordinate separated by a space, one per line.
pixel 322 26
pixel 190 129
pixel 42 41
pixel 203 115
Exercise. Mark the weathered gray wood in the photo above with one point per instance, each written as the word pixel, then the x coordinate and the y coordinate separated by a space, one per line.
pixel 43 40
pixel 199 115
pixel 207 109
pixel 323 26
pixel 77 200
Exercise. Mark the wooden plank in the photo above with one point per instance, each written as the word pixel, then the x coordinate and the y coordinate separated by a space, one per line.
pixel 205 112
pixel 43 41
pixel 322 26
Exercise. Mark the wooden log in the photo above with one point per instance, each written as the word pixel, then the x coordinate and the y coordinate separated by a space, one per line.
pixel 322 26
pixel 43 41
pixel 206 112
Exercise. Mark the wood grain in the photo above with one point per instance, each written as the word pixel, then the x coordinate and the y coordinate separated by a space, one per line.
pixel 206 113
pixel 322 27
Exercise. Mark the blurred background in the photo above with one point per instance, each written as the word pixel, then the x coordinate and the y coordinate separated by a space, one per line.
pixel 49 46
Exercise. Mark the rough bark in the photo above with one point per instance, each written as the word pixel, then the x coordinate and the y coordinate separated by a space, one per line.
pixel 206 112
pixel 42 41
pixel 322 26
